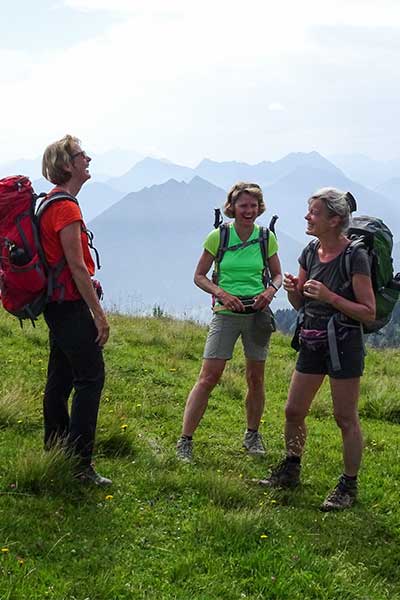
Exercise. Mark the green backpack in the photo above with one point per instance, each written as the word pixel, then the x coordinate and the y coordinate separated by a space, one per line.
pixel 373 235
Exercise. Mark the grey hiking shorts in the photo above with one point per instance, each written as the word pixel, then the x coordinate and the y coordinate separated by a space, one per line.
pixel 254 329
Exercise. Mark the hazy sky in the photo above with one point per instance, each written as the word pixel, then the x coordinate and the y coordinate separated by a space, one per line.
pixel 185 79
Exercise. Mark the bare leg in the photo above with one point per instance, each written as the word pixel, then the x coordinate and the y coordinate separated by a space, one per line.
pixel 345 394
pixel 197 401
pixel 255 398
pixel 302 391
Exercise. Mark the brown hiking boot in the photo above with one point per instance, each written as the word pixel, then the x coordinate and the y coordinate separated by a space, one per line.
pixel 284 475
pixel 342 496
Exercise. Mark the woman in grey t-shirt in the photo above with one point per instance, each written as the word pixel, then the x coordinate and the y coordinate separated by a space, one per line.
pixel 330 340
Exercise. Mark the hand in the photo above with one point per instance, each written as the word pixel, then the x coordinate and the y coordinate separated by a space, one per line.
pixel 290 282
pixel 317 291
pixel 103 329
pixel 231 302
pixel 264 299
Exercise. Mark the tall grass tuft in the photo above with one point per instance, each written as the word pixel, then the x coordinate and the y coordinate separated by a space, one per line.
pixel 225 492
pixel 42 471
pixel 383 404
pixel 12 406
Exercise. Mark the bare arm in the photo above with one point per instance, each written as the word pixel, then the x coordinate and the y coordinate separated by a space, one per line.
pixel 205 283
pixel 268 294
pixel 294 288
pixel 363 309
pixel 70 238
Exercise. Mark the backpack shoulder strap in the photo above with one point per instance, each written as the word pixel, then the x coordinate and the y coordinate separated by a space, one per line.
pixel 311 249
pixel 345 263
pixel 49 200
pixel 224 231
pixel 263 239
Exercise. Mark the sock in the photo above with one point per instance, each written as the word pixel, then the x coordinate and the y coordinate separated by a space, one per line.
pixel 350 478
pixel 294 459
pixel 251 430
pixel 187 437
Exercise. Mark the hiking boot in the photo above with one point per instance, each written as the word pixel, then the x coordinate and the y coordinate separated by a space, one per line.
pixel 253 442
pixel 342 496
pixel 184 449
pixel 284 475
pixel 89 475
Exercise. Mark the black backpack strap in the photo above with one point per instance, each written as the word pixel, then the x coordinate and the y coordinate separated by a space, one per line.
pixel 263 240
pixel 222 247
pixel 345 263
pixel 224 231
pixel 272 222
pixel 217 218
pixel 90 237
pixel 311 250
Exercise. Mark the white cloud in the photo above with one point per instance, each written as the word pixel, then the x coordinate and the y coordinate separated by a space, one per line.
pixel 276 107
pixel 15 65
pixel 356 12
pixel 188 78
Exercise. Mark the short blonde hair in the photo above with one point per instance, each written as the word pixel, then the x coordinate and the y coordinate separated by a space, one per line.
pixel 56 156
pixel 242 187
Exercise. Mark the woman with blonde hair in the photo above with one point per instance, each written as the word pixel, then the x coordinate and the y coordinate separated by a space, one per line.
pixel 243 292
pixel 78 327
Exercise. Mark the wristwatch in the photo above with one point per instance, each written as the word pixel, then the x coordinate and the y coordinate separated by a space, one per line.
pixel 274 286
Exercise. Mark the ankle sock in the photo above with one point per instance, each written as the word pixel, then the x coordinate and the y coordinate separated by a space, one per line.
pixel 252 430
pixel 294 459
pixel 187 437
pixel 349 478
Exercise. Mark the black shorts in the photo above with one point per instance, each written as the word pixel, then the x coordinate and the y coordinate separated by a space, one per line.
pixel 351 355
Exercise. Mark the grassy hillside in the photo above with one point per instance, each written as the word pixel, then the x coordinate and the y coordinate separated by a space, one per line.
pixel 203 531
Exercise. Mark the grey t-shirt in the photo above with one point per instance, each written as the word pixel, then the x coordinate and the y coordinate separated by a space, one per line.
pixel 318 313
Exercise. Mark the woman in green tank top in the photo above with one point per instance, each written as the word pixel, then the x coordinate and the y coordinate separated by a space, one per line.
pixel 243 296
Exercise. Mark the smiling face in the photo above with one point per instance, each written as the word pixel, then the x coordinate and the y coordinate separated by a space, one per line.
pixel 79 166
pixel 246 209
pixel 318 220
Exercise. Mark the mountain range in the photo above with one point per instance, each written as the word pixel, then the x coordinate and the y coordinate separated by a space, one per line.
pixel 151 220
pixel 372 173
pixel 145 257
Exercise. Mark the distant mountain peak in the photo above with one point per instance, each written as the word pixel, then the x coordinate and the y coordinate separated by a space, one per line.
pixel 198 181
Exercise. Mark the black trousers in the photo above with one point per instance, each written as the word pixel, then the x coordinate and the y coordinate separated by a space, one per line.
pixel 75 362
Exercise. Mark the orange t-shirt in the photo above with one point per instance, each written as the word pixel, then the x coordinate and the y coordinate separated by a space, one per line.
pixel 54 219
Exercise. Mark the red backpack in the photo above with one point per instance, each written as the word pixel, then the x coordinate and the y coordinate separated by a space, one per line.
pixel 26 280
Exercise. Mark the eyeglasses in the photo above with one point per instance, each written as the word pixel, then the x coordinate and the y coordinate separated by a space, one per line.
pixel 81 153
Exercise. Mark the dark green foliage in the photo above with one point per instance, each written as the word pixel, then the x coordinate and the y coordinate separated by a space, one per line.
pixel 285 319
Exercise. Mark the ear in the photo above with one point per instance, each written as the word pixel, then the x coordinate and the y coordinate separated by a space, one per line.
pixel 67 167
pixel 335 221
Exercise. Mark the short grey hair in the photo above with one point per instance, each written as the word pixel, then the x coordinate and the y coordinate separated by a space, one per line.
pixel 336 203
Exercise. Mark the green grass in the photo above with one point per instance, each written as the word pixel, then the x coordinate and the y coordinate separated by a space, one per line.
pixel 204 531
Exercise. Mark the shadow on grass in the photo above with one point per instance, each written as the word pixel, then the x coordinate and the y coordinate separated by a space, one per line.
pixel 116 444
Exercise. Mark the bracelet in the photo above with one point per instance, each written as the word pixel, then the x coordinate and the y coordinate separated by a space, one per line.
pixel 274 286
